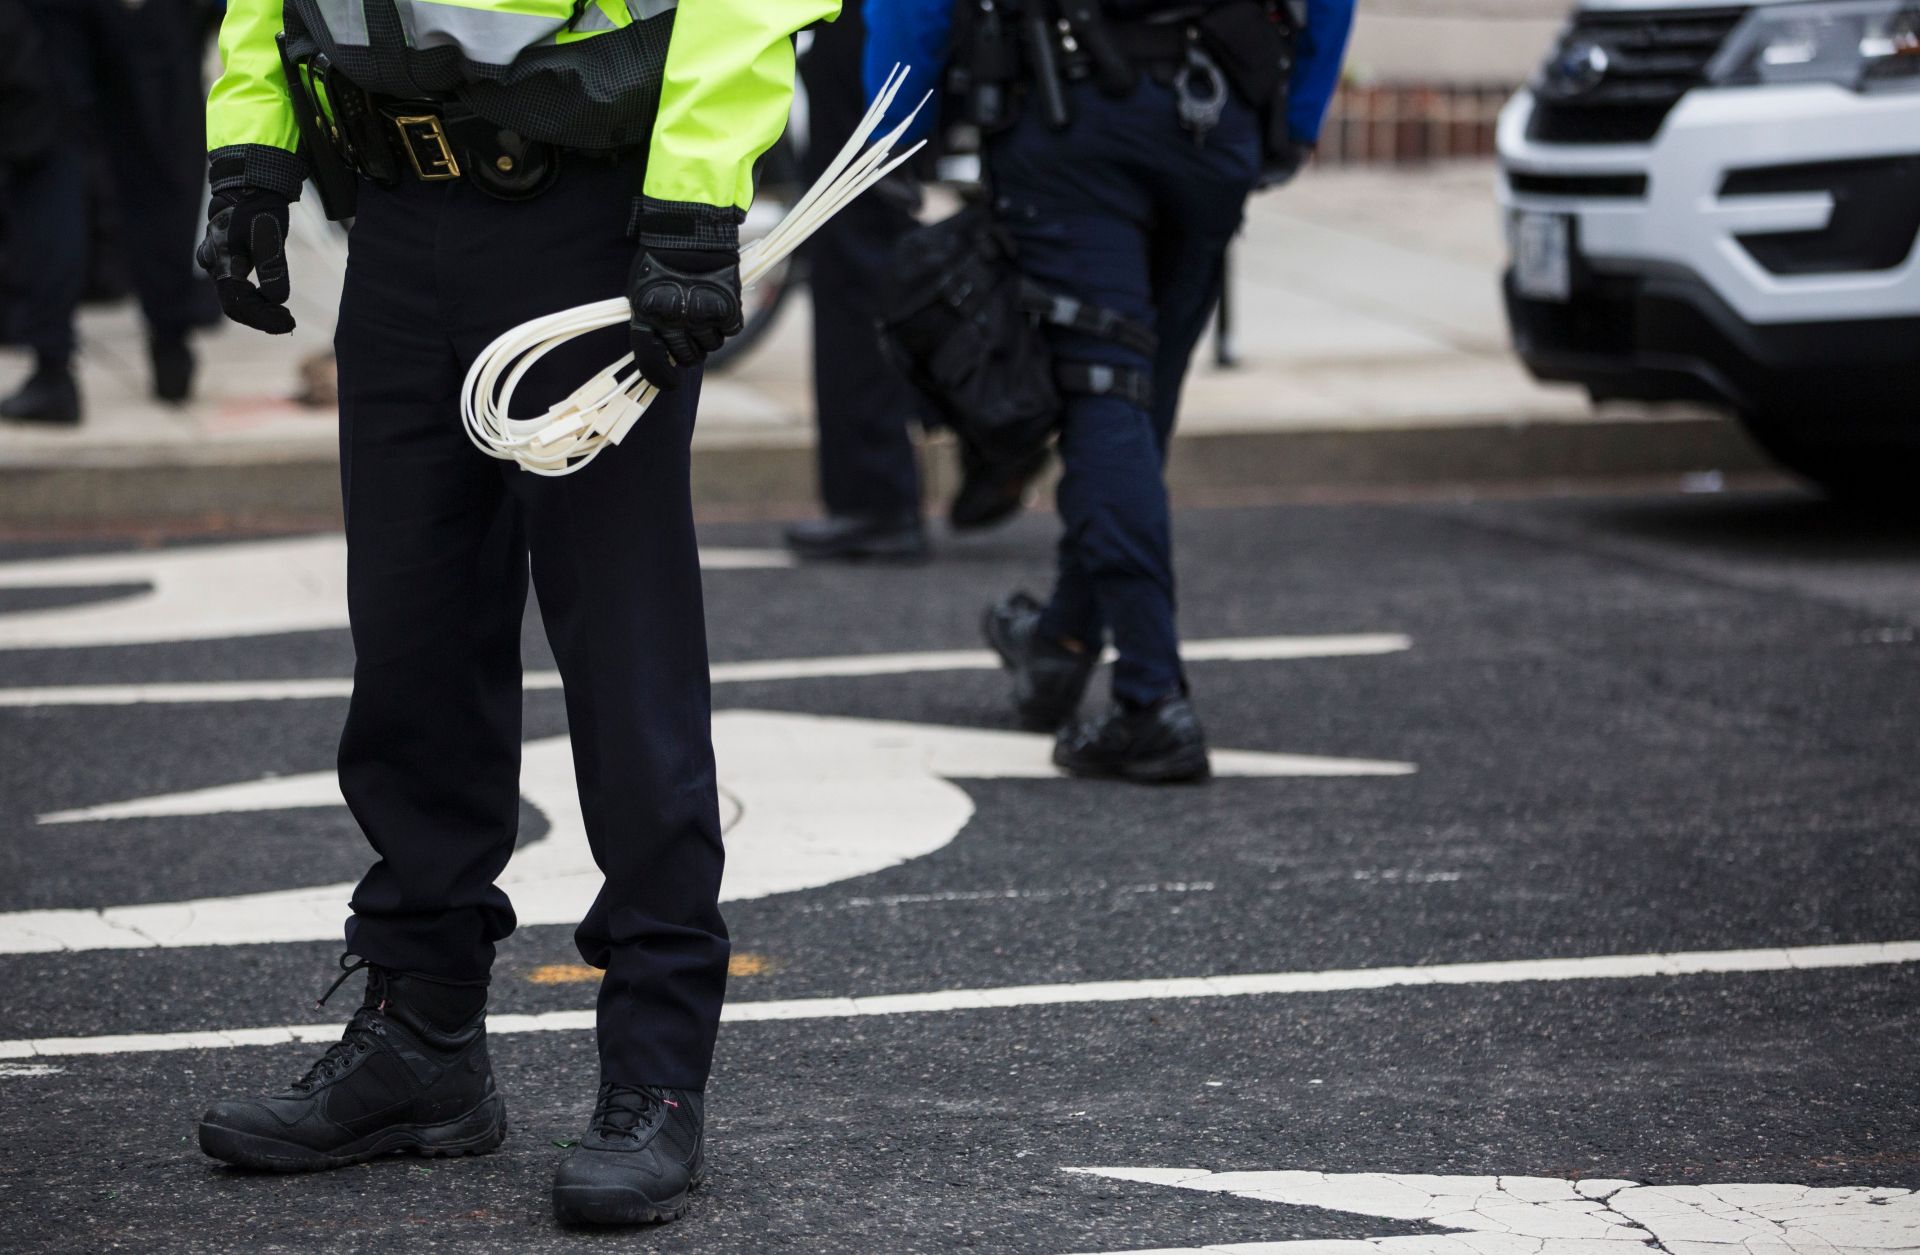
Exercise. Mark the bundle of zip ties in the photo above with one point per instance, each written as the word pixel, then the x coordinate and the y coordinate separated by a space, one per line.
pixel 601 411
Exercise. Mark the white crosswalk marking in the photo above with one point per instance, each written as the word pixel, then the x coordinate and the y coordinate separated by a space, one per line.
pixel 1254 984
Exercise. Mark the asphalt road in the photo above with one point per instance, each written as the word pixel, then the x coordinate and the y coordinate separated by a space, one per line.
pixel 1634 726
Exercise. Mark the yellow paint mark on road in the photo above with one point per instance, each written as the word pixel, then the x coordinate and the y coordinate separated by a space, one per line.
pixel 743 964
pixel 748 964
pixel 563 974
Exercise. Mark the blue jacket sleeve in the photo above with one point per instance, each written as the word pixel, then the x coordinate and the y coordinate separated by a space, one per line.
pixel 1318 51
pixel 912 33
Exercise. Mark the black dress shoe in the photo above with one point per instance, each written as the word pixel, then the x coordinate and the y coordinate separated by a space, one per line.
pixel 394 1083
pixel 854 538
pixel 1049 679
pixel 640 1158
pixel 991 492
pixel 48 396
pixel 173 365
pixel 1157 744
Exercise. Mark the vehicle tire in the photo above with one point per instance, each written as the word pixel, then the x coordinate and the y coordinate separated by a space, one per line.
pixel 1878 467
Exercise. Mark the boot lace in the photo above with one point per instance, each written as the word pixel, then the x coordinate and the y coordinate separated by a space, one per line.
pixel 367 1025
pixel 624 1110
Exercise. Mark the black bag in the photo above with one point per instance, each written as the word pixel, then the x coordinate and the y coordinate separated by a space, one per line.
pixel 964 325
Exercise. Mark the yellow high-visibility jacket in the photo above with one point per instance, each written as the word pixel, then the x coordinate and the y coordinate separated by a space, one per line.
pixel 558 68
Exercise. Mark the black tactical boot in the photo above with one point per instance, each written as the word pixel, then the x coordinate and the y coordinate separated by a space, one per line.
pixel 857 537
pixel 1049 679
pixel 991 492
pixel 410 1074
pixel 1157 744
pixel 173 364
pixel 640 1157
pixel 48 396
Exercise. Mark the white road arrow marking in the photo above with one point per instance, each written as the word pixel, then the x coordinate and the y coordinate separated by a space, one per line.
pixel 1548 1216
pixel 1230 649
pixel 816 800
pixel 212 592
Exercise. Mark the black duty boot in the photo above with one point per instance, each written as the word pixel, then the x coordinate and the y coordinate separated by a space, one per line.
pixel 173 365
pixel 855 538
pixel 48 396
pixel 991 492
pixel 1157 744
pixel 410 1074
pixel 641 1155
pixel 1049 678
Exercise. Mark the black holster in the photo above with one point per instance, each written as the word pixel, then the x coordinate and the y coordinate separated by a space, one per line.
pixel 320 141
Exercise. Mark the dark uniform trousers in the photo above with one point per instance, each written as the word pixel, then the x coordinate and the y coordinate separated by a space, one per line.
pixel 866 410
pixel 127 76
pixel 1125 209
pixel 439 538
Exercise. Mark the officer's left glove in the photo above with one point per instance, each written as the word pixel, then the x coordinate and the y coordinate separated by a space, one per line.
pixel 684 287
pixel 247 232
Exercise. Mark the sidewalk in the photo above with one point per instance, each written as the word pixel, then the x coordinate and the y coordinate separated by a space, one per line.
pixel 1368 325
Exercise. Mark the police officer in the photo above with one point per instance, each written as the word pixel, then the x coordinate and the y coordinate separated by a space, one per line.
pixel 513 157
pixel 1141 127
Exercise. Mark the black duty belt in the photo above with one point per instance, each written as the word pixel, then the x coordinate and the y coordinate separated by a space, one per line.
pixel 439 141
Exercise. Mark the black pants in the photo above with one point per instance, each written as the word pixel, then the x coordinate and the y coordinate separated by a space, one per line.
pixel 438 542
pixel 865 410
pixel 1124 209
pixel 127 77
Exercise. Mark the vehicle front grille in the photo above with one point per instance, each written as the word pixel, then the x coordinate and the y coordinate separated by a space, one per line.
pixel 1616 75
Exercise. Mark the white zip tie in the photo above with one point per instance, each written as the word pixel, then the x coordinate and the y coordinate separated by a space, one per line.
pixel 601 411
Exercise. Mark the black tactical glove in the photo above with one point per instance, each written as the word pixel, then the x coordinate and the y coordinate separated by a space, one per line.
pixel 684 287
pixel 1279 167
pixel 685 302
pixel 247 233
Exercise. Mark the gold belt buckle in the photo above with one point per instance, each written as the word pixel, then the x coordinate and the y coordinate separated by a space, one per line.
pixel 423 131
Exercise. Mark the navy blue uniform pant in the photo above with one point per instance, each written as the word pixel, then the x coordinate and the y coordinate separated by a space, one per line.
pixel 865 410
pixel 439 539
pixel 1123 208
pixel 127 77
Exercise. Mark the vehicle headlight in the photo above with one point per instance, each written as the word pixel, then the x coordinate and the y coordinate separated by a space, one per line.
pixel 1866 45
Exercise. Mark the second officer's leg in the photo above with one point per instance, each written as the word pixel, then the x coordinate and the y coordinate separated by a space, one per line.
pixel 1081 204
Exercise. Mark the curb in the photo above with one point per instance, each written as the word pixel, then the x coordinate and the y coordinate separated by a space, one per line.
pixel 779 479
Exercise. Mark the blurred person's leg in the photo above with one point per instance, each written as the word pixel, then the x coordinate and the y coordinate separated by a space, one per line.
pixel 150 94
pixel 869 477
pixel 47 226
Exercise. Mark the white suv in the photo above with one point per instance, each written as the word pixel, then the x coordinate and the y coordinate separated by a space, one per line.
pixel 1720 203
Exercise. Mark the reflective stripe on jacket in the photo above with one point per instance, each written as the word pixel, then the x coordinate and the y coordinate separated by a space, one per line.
pixel 706 87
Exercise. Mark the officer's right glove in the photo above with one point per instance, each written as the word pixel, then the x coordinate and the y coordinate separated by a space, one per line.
pixel 684 288
pixel 247 233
